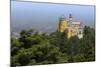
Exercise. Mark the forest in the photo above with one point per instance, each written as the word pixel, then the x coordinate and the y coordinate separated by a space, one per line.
pixel 33 48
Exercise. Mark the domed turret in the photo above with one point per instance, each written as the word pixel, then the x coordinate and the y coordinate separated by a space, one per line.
pixel 62 24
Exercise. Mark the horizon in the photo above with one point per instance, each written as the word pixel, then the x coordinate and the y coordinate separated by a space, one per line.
pixel 45 16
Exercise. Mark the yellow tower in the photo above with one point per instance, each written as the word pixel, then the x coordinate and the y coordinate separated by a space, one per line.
pixel 71 28
pixel 69 33
pixel 62 24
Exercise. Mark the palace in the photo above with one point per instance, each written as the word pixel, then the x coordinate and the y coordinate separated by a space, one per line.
pixel 71 27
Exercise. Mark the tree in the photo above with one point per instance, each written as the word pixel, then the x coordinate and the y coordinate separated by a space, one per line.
pixel 15 46
pixel 37 49
pixel 88 44
pixel 28 38
pixel 74 45
pixel 59 39
pixel 32 48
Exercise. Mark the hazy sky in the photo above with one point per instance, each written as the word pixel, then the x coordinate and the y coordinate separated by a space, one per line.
pixel 44 16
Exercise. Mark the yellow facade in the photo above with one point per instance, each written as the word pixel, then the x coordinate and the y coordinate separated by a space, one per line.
pixel 62 25
pixel 72 30
pixel 69 34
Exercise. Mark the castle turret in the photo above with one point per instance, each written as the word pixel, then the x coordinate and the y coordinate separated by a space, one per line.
pixel 71 28
pixel 70 18
pixel 62 24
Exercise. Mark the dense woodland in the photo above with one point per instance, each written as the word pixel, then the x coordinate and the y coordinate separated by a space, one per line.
pixel 32 48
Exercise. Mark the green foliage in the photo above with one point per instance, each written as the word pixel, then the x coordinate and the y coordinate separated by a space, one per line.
pixel 88 44
pixel 15 46
pixel 74 45
pixel 32 48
